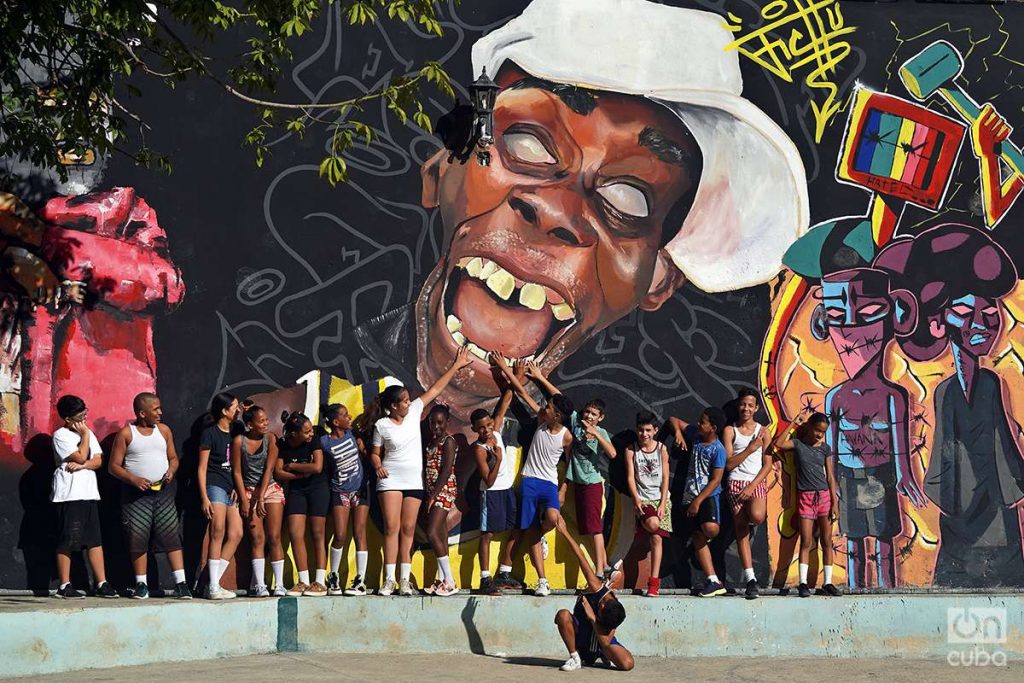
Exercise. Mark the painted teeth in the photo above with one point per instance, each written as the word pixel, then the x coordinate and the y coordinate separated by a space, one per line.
pixel 453 323
pixel 454 326
pixel 532 296
pixel 500 281
pixel 488 269
pixel 459 338
pixel 474 266
pixel 477 351
pixel 563 311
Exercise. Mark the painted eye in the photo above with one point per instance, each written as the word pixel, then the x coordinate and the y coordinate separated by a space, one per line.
pixel 871 309
pixel 835 315
pixel 528 148
pixel 625 199
pixel 962 310
pixel 989 310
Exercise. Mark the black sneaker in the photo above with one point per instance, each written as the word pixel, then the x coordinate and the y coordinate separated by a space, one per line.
pixel 68 592
pixel 334 584
pixel 507 582
pixel 712 589
pixel 141 591
pixel 752 590
pixel 488 586
pixel 805 591
pixel 828 589
pixel 105 590
pixel 181 592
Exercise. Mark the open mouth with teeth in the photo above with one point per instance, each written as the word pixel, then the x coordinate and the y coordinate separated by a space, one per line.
pixel 489 309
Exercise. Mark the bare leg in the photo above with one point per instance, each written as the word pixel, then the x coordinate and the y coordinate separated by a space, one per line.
pixel 391 508
pixel 257 537
pixel 232 533
pixel 600 556
pixel 139 563
pixel 340 515
pixel 63 567
pixel 272 527
pixel 825 538
pixel 566 629
pixel 701 537
pixel 318 530
pixel 297 535
pixel 175 558
pixel 806 539
pixel 360 516
pixel 437 531
pixel 650 525
pixel 485 551
pixel 99 571
pixel 216 534
pixel 409 512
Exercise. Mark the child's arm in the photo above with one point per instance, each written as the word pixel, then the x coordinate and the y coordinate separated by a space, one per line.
pixel 534 372
pixel 663 507
pixel 832 488
pixel 593 582
pixel 268 473
pixel 502 408
pixel 308 469
pixel 80 455
pixel 595 432
pixel 462 359
pixel 204 462
pixel 94 458
pixel 376 456
pixel 172 453
pixel 714 480
pixel 783 440
pixel 631 480
pixel 487 474
pixel 284 475
pixel 499 362
pixel 678 429
pixel 236 475
pixel 117 452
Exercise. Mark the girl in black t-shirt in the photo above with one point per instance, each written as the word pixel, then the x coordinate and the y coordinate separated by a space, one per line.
pixel 216 488
pixel 300 463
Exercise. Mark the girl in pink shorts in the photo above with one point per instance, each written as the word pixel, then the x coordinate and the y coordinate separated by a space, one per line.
pixel 817 501
pixel 260 498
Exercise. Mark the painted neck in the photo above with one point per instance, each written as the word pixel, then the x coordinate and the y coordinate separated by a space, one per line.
pixel 966 369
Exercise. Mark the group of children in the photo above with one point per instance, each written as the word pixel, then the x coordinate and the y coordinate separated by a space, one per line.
pixel 253 482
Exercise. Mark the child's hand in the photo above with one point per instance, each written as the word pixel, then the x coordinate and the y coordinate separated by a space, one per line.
pixel 382 472
pixel 833 514
pixel 462 358
pixel 662 510
pixel 498 361
pixel 533 371
pixel 745 494
pixel 680 439
pixel 244 507
pixel 692 509
pixel 73 466
pixel 261 508
pixel 589 429
pixel 638 505
pixel 560 525
pixel 207 508
pixel 78 427
pixel 520 371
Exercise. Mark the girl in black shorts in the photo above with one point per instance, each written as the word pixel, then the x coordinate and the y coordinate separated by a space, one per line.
pixel 300 463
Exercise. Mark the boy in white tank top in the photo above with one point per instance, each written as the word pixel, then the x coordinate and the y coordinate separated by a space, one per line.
pixel 748 466
pixel 540 507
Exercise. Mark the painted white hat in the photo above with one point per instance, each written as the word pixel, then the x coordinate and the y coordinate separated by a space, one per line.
pixel 752 200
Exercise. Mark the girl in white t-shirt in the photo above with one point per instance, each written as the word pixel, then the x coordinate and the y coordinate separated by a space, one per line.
pixel 397 458
pixel 748 466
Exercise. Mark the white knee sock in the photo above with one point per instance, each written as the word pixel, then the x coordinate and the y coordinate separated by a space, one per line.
pixel 362 557
pixel 141 578
pixel 446 569
pixel 214 568
pixel 336 554
pixel 321 576
pixel 277 566
pixel 404 570
pixel 259 570
pixel 828 574
pixel 748 574
pixel 304 576
pixel 803 573
pixel 389 572
pixel 179 575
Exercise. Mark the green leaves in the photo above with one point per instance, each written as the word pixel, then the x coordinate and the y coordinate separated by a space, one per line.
pixel 106 54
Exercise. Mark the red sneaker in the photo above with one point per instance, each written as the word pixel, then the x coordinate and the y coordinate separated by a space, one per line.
pixel 653 587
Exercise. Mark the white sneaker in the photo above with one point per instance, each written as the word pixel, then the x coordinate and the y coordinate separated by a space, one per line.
pixel 573 663
pixel 388 588
pixel 218 593
pixel 259 592
pixel 280 592
pixel 446 589
pixel 225 594
pixel 543 590
pixel 358 587
pixel 404 587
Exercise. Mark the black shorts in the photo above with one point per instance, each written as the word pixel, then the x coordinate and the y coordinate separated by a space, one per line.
pixel 312 501
pixel 499 511
pixel 868 504
pixel 78 525
pixel 150 519
pixel 418 494
pixel 708 513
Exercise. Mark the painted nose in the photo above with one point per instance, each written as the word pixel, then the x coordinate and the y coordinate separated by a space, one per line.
pixel 559 214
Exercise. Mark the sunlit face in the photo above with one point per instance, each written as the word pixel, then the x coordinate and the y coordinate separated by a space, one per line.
pixel 484 428
pixel 557 238
pixel 77 418
pixel 858 315
pixel 645 433
pixel 592 415
pixel 259 424
pixel 814 433
pixel 151 412
pixel 343 420
pixel 438 424
pixel 231 412
pixel 973 324
pixel 305 435
pixel 747 408
pixel 401 407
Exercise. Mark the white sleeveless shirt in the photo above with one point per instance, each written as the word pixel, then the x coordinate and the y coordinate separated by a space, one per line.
pixel 751 465
pixel 545 451
pixel 146 456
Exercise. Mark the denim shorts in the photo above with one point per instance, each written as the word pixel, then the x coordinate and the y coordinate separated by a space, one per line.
pixel 218 496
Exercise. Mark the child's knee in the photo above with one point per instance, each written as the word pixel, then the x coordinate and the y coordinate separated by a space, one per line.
pixel 710 530
pixel 651 524
pixel 563 616
pixel 756 517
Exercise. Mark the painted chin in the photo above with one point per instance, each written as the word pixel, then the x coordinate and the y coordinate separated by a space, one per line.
pixel 979 343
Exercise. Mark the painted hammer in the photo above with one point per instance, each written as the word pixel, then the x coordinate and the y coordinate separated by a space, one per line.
pixel 934 70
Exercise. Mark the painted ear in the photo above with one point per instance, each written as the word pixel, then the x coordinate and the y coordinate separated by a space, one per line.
pixel 667 279
pixel 904 312
pixel 430 174
pixel 937 327
pixel 819 323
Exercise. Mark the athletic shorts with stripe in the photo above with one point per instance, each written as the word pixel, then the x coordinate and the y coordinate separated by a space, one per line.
pixel 150 519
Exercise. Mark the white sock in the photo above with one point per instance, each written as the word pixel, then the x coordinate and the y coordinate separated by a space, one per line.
pixel 404 570
pixel 574 655
pixel 178 574
pixel 336 554
pixel 68 584
pixel 215 572
pixel 362 557
pixel 223 569
pixel 446 569
pixel 141 578
pixel 277 566
pixel 541 580
pixel 828 574
pixel 748 574
pixel 304 576
pixel 259 571
pixel 484 574
pixel 504 569
pixel 321 576
pixel 803 573
pixel 389 572
pixel 712 578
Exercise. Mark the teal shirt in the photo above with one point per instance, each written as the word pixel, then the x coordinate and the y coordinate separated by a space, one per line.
pixel 586 454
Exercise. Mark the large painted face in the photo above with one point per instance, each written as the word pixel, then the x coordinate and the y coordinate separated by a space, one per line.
pixel 857 314
pixel 558 237
pixel 973 323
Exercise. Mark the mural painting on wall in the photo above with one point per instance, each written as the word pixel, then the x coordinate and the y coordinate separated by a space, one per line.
pixel 656 231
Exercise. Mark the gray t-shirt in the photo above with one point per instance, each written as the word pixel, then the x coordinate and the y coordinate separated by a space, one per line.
pixel 810 466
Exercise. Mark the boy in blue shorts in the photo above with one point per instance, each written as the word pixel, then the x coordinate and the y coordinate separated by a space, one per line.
pixel 703 487
pixel 539 505
pixel 588 631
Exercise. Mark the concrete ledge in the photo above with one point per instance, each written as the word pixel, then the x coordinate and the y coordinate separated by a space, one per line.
pixel 46 636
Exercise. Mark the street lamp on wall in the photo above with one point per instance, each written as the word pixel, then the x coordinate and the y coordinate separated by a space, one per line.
pixel 483 92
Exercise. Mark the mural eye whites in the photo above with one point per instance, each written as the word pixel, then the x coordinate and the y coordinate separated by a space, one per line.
pixel 989 310
pixel 962 310
pixel 625 199
pixel 528 148
pixel 836 316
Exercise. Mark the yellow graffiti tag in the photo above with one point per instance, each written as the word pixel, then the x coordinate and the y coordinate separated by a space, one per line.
pixel 814 27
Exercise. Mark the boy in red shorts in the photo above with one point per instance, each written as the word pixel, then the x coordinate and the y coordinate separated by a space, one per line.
pixel 817 502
